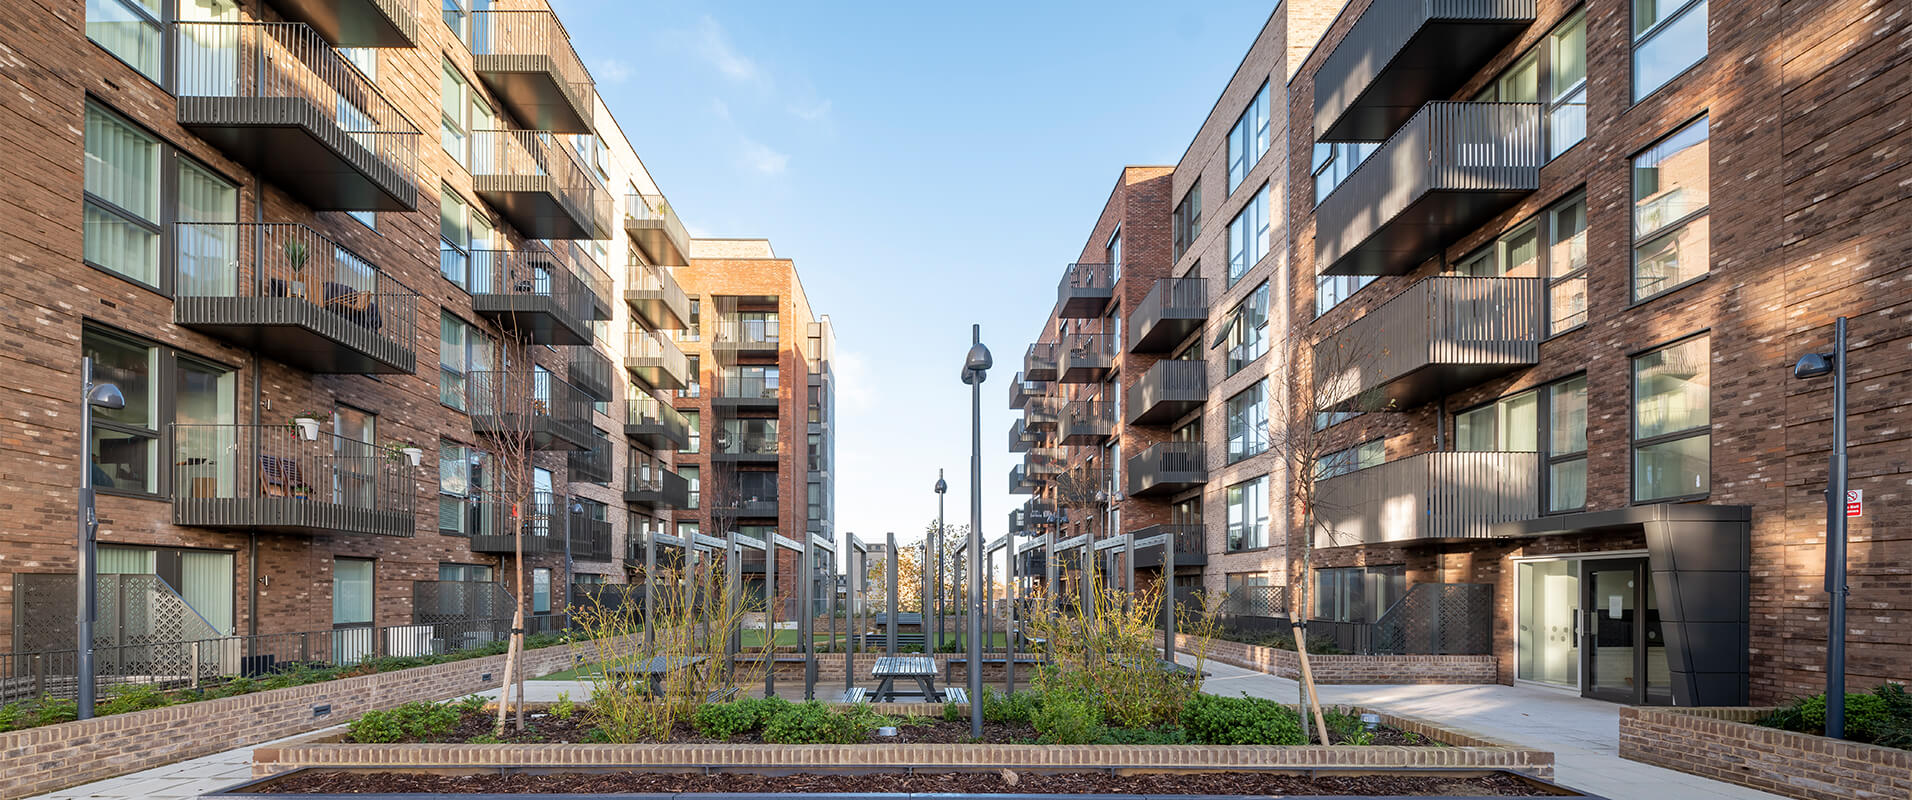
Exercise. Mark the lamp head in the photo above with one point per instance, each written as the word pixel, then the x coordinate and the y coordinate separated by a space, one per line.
pixel 940 486
pixel 106 395
pixel 978 358
pixel 1813 365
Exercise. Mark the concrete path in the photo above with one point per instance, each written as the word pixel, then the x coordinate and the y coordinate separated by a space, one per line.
pixel 1583 735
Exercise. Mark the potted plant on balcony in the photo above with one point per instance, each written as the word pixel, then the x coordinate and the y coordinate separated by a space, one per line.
pixel 405 448
pixel 296 266
pixel 308 424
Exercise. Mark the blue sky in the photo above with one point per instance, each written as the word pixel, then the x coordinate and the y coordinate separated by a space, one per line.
pixel 925 167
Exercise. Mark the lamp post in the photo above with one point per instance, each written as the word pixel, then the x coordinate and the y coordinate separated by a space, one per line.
pixel 939 554
pixel 974 373
pixel 1820 365
pixel 105 395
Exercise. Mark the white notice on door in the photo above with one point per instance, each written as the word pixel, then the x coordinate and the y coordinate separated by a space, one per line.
pixel 1613 606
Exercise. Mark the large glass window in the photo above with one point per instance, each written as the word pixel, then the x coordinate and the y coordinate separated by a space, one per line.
pixel 1567 84
pixel 206 251
pixel 1567 266
pixel 352 592
pixel 1357 594
pixel 1247 141
pixel 1186 221
pixel 1247 237
pixel 157 383
pixel 1670 421
pixel 463 349
pixel 1247 423
pixel 1247 515
pixel 1332 290
pixel 1333 162
pixel 542 590
pixel 1352 459
pixel 464 474
pixel 1567 445
pixel 131 30
pixel 692 476
pixel 122 207
pixel 693 431
pixel 1670 211
pixel 456 238
pixel 1668 37
pixel 1247 330
pixel 1510 424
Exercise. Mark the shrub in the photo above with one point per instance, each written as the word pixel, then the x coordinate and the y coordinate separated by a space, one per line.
pixel 1064 720
pixel 471 704
pixel 124 699
pixel 726 720
pixel 51 711
pixel 1009 709
pixel 950 712
pixel 1883 716
pixel 417 720
pixel 1347 729
pixel 812 723
pixel 562 708
pixel 1209 719
pixel 1165 734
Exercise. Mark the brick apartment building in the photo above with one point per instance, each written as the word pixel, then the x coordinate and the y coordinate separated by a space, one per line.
pixel 1535 278
pixel 239 211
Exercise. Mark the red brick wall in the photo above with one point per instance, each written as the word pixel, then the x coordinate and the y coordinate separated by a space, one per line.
pixel 1346 669
pixel 1719 743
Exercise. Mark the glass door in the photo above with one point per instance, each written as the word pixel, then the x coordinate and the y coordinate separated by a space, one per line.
pixel 1546 617
pixel 1614 598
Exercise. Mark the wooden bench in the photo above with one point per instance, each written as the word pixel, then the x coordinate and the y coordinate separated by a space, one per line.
pixel 955 694
pixel 722 695
pixel 857 694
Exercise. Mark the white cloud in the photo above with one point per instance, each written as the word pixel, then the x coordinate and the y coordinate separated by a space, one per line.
pixel 713 45
pixel 612 70
pixel 720 109
pixel 812 112
pixel 761 158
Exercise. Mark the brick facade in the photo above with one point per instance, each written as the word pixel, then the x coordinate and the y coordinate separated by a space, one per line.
pixel 1719 743
pixel 1345 669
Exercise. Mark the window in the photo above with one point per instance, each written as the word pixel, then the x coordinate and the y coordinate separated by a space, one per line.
pixel 1334 162
pixel 1247 423
pixel 1567 445
pixel 352 592
pixel 542 590
pixel 1567 84
pixel 1513 256
pixel 693 379
pixel 693 431
pixel 1186 221
pixel 456 237
pixel 1670 212
pixel 464 475
pixel 456 113
pixel 1247 237
pixel 1247 141
pixel 131 30
pixel 1323 420
pixel 122 207
pixel 692 476
pixel 1670 419
pixel 478 573
pixel 691 333
pixel 1668 37
pixel 463 349
pixel 1332 290
pixel 1567 266
pixel 1352 459
pixel 1247 330
pixel 206 250
pixel 750 382
pixel 458 18
pixel 160 386
pixel 1510 424
pixel 1357 594
pixel 1247 515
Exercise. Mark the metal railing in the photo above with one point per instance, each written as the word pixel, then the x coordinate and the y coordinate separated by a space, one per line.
pixel 274 476
pixel 653 209
pixel 760 437
pixel 1442 321
pixel 747 334
pixel 651 282
pixel 1167 463
pixel 762 385
pixel 291 61
pixel 1041 412
pixel 1020 389
pixel 1041 366
pixel 1087 421
pixel 535 34
pixel 1256 601
pixel 530 402
pixel 591 371
pixel 1384 29
pixel 654 349
pixel 1172 308
pixel 491 523
pixel 649 411
pixel 592 465
pixel 531 154
pixel 1096 276
pixel 1046 461
pixel 293 262
pixel 591 538
pixel 1167 390
pixel 1435 495
pixel 524 273
pixel 1084 357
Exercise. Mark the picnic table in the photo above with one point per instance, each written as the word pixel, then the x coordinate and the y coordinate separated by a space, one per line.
pixel 653 669
pixel 918 669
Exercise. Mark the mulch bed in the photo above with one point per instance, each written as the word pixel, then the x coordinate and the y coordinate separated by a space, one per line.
pixel 1216 783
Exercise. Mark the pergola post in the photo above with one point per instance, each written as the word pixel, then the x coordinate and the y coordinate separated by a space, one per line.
pixel 770 588
pixel 806 609
pixel 649 577
pixel 893 596
pixel 1166 570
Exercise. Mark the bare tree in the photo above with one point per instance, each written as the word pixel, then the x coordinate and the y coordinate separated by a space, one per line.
pixel 505 404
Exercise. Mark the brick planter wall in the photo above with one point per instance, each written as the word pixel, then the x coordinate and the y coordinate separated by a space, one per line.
pixel 51 757
pixel 1719 743
pixel 833 666
pixel 1349 669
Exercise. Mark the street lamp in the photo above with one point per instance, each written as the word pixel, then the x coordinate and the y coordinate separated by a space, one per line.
pixel 974 373
pixel 939 553
pixel 104 395
pixel 1820 365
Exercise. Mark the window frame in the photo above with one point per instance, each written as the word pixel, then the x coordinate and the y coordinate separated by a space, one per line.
pixel 1249 435
pixel 164 384
pixel 1635 441
pixel 1635 41
pixel 1253 142
pixel 1550 228
pixel 1186 221
pixel 1262 523
pixel 1543 435
pixel 169 161
pixel 1252 235
pixel 1241 333
pixel 1635 241
pixel 169 13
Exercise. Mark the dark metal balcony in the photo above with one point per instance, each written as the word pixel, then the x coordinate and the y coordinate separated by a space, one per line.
pixel 1189 546
pixel 1167 468
pixel 652 224
pixel 1443 496
pixel 591 371
pixel 747 440
pixel 655 488
pixel 273 478
pixel 1450 169
pixel 748 390
pixel 1171 311
pixel 1017 518
pixel 756 508
pixel 599 284
pixel 548 412
pixel 1046 461
pixel 356 23
pixel 1042 365
pixel 537 182
pixel 1441 335
pixel 1169 390
pixel 657 425
pixel 589 531
pixel 527 61
pixel 1084 422
pixel 1019 439
pixel 540 531
pixel 293 295
pixel 1086 358
pixel 1017 482
pixel 1021 389
pixel 1043 414
pixel 277 98
pixel 657 298
pixel 655 359
pixel 592 465
pixel 749 336
pixel 529 294
pixel 1401 54
pixel 1085 291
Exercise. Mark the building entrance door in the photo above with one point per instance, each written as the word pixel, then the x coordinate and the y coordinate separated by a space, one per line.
pixel 1623 658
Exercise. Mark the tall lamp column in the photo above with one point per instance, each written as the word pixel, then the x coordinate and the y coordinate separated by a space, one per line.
pixel 105 395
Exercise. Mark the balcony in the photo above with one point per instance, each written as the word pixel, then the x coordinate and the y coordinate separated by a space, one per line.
pixel 533 295
pixel 355 23
pixel 1019 439
pixel 270 478
pixel 1441 335
pixel 752 388
pixel 591 539
pixel 1401 54
pixel 656 297
pixel 1085 358
pixel 751 336
pixel 527 61
pixel 1167 468
pixel 1171 311
pixel 277 98
pixel 756 508
pixel 1017 482
pixel 544 411
pixel 1189 546
pixel 655 359
pixel 599 284
pixel 1169 390
pixel 332 314
pixel 1043 462
pixel 1447 171
pixel 657 425
pixel 1021 389
pixel 747 440
pixel 537 183
pixel 591 371
pixel 1441 496
pixel 652 225
pixel 540 532
pixel 1042 414
pixel 1085 422
pixel 653 487
pixel 592 465
pixel 1041 365
pixel 1085 291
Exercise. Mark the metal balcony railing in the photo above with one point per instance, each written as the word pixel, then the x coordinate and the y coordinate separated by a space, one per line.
pixel 1085 358
pixel 747 439
pixel 1401 53
pixel 1170 312
pixel 1019 439
pixel 356 23
pixel 591 371
pixel 654 358
pixel 288 292
pixel 530 294
pixel 1441 335
pixel 589 532
pixel 1017 482
pixel 1084 422
pixel 1167 467
pixel 1085 290
pixel 271 477
pixel 592 465
pixel 737 384
pixel 1042 413
pixel 1189 545
pixel 1041 366
pixel 527 59
pixel 1021 389
pixel 653 225
pixel 490 518
pixel 1045 461
pixel 535 407
pixel 657 424
pixel 657 297
pixel 1437 495
pixel 537 182
pixel 1168 391
pixel 279 98
pixel 753 334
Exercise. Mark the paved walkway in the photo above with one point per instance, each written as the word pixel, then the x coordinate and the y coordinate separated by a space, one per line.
pixel 1582 733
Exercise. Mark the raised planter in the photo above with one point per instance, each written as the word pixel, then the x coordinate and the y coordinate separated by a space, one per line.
pixel 1349 670
pixel 1722 744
